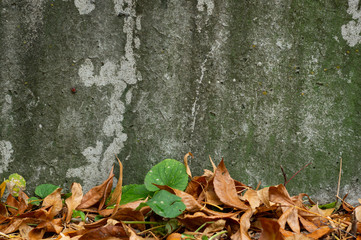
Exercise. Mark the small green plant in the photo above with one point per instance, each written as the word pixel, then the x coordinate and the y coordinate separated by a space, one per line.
pixel 169 172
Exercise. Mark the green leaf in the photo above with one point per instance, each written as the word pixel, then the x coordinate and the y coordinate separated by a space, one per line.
pixel 67 195
pixel 98 217
pixel 166 204
pixel 34 201
pixel 77 213
pixel 171 225
pixel 141 205
pixel 44 190
pixel 204 237
pixel 133 192
pixel 168 172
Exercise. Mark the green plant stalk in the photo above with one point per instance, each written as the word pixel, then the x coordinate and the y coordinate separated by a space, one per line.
pixel 217 234
pixel 198 229
pixel 11 207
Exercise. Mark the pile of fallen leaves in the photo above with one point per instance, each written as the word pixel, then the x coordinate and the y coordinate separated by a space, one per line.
pixel 217 207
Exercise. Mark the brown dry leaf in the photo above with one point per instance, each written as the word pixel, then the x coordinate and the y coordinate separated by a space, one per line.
pixel 131 234
pixel 24 230
pixel 278 194
pixel 194 221
pixel 270 230
pixel 293 221
pixel 245 224
pixel 54 201
pixel 192 205
pixel 211 196
pixel 309 226
pixel 117 194
pixel 186 164
pixel 23 202
pixel 253 199
pixel 196 185
pixel 322 231
pixel 105 232
pixel 290 216
pixel 298 236
pixel 55 225
pixel 263 195
pixel 225 188
pixel 96 193
pixel 215 227
pixel 74 200
pixel 128 214
pixel 36 234
pixel 13 205
pixel 213 165
pixel 358 213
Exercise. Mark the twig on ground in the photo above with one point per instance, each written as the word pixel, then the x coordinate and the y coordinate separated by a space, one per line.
pixel 284 175
pixel 339 180
pixel 297 172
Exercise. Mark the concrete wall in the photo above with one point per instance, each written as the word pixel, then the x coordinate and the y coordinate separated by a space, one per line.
pixel 260 83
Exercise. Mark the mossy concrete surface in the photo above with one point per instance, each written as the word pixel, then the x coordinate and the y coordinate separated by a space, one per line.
pixel 263 84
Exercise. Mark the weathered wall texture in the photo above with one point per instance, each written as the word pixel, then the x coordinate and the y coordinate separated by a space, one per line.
pixel 260 83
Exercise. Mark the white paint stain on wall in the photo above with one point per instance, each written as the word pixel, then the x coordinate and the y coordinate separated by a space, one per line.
pixel 84 6
pixel 6 150
pixel 119 75
pixel 209 4
pixel 351 31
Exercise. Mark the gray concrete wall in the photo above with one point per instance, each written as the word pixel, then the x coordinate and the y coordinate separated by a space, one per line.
pixel 260 83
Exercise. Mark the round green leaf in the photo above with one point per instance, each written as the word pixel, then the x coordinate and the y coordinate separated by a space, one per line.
pixel 166 204
pixel 44 190
pixel 168 172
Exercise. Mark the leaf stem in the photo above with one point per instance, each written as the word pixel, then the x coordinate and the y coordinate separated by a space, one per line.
pixel 217 234
pixel 11 207
pixel 198 229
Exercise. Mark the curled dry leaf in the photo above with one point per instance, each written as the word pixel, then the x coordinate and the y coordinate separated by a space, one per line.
pixel 270 229
pixel 245 224
pixel 358 213
pixel 320 232
pixel 74 200
pixel 263 195
pixel 188 170
pixel 290 216
pixel 117 194
pixel 215 227
pixel 128 214
pixel 54 201
pixel 96 193
pixel 225 188
pixel 105 232
pixel 253 199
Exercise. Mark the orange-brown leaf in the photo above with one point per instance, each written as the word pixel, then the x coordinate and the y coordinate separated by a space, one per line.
pixel 186 164
pixel 117 194
pixel 253 199
pixel 74 200
pixel 128 214
pixel 225 188
pixel 96 193
pixel 54 201
pixel 105 232
pixel 278 194
pixel 309 226
pixel 270 230
pixel 322 231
